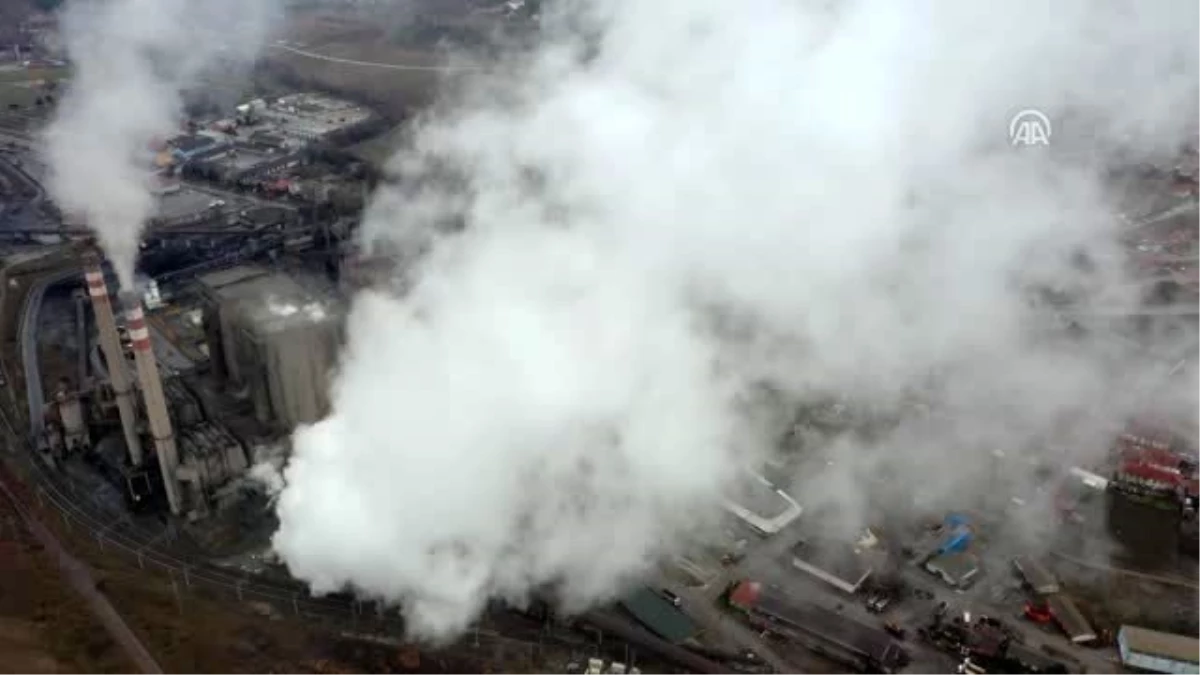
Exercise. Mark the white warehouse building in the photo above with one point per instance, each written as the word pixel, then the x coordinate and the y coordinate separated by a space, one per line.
pixel 761 505
pixel 1158 652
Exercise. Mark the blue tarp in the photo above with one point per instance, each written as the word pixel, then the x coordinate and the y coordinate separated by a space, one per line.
pixel 957 540
pixel 956 520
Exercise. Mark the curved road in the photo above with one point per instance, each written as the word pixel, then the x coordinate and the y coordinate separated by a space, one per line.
pixel 369 64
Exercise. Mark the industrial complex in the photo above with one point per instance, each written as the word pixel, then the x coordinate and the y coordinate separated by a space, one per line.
pixel 137 416
pixel 167 394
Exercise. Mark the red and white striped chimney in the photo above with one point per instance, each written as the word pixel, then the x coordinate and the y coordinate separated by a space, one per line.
pixel 152 395
pixel 114 355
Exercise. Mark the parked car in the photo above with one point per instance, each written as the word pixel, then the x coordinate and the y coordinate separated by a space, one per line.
pixel 671 597
pixel 1038 613
pixel 895 630
pixel 878 602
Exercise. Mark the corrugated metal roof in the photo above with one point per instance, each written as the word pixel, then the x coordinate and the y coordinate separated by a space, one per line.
pixel 847 634
pixel 1036 575
pixel 1156 643
pixel 1068 616
pixel 833 561
pixel 660 616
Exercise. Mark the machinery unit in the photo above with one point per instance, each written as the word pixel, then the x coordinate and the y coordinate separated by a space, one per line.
pixel 75 434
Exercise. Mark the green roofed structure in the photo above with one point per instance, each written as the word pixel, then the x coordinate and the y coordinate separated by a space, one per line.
pixel 657 614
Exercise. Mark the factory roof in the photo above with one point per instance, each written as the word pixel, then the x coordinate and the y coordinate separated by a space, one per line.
pixel 272 301
pixel 267 138
pixel 825 624
pixel 182 202
pixel 1069 618
pixel 244 158
pixel 1040 579
pixel 191 142
pixel 660 616
pixel 265 216
pixel 1167 645
pixel 761 505
pixel 956 568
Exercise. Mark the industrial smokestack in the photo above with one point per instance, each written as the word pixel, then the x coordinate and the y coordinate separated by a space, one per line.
pixel 152 394
pixel 110 342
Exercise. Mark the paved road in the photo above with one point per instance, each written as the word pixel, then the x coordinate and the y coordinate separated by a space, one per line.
pixel 232 197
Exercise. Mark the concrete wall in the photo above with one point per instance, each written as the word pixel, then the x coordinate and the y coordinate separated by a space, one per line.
pixel 299 362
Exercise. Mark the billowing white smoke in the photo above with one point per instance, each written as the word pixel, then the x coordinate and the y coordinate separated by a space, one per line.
pixel 699 197
pixel 131 60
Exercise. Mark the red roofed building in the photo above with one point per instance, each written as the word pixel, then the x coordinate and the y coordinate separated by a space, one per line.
pixel 745 594
pixel 1149 476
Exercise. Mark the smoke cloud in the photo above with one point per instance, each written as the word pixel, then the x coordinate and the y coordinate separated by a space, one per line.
pixel 131 60
pixel 622 238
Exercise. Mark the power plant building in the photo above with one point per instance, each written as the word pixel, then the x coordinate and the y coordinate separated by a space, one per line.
pixel 273 339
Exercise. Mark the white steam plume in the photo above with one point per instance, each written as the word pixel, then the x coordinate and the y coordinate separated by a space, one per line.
pixel 131 60
pixel 696 198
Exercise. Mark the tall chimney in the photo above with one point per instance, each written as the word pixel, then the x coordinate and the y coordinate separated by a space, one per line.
pixel 110 343
pixel 152 394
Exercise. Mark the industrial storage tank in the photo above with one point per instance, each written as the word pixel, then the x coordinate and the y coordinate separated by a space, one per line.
pixel 275 338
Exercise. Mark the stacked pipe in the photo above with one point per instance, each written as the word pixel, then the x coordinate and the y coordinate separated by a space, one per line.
pixel 110 343
pixel 152 395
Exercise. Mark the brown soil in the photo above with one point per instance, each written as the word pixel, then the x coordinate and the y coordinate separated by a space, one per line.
pixel 44 626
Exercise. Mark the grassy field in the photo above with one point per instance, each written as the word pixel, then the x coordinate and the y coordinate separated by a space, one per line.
pixel 45 627
pixel 22 86
pixel 394 93
pixel 17 74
